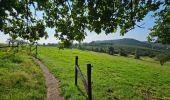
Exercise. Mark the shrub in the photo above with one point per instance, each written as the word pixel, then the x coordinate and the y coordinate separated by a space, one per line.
pixel 137 56
pixel 102 50
pixel 163 58
pixel 151 55
pixel 122 52
pixel 111 50
pixel 96 50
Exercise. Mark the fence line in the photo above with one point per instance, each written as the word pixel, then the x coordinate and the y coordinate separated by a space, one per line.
pixel 34 49
pixel 11 46
pixel 8 46
pixel 87 84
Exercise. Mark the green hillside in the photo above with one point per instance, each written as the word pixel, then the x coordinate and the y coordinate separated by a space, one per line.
pixel 113 77
pixel 125 41
pixel 130 42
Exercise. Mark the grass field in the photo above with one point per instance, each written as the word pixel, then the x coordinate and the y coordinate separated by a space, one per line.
pixel 113 77
pixel 20 78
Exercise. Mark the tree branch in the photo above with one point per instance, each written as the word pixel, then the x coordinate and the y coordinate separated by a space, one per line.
pixel 140 26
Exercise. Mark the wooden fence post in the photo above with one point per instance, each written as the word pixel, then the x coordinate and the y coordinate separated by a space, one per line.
pixel 89 81
pixel 9 44
pixel 17 47
pixel 76 64
pixel 30 48
pixel 12 44
pixel 36 51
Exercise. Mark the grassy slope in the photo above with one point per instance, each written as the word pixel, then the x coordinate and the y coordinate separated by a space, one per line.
pixel 20 78
pixel 113 77
pixel 2 44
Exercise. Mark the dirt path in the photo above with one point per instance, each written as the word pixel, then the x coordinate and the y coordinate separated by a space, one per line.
pixel 51 83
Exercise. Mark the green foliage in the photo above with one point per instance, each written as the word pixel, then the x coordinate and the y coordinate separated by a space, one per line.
pixel 129 45
pixel 18 20
pixel 111 50
pixel 71 18
pixel 113 77
pixel 122 52
pixel 152 54
pixel 20 78
pixel 163 58
pixel 137 56
pixel 161 29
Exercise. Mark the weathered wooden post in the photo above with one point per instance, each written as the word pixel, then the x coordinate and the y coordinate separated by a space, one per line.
pixel 36 51
pixel 76 64
pixel 12 44
pixel 30 48
pixel 17 46
pixel 89 81
pixel 9 44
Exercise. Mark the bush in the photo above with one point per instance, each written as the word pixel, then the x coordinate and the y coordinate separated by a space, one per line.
pixel 137 56
pixel 102 50
pixel 116 52
pixel 122 53
pixel 96 50
pixel 151 55
pixel 163 58
pixel 111 50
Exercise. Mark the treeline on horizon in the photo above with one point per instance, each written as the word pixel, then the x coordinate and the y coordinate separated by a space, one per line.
pixel 144 49
pixel 127 48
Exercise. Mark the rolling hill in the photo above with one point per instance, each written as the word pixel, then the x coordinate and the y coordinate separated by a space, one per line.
pixel 130 42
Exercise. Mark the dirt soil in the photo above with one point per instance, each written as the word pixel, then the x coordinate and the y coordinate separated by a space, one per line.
pixel 52 83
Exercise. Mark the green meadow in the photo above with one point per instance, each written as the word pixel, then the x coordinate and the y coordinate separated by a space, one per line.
pixel 113 77
pixel 20 77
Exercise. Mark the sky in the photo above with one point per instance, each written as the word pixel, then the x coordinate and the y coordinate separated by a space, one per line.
pixel 137 33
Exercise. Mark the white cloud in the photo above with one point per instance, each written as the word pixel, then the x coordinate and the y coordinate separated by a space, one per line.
pixel 51 39
pixel 92 36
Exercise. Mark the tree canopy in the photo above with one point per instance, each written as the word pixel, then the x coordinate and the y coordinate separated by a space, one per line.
pixel 161 29
pixel 17 20
pixel 70 18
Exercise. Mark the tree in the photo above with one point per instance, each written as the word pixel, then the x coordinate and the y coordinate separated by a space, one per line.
pixel 96 49
pixel 137 56
pixel 111 50
pixel 122 52
pixel 74 17
pixel 101 50
pixel 163 58
pixel 17 20
pixel 161 29
pixel 71 18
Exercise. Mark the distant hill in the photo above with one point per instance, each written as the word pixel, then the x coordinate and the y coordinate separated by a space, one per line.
pixel 130 42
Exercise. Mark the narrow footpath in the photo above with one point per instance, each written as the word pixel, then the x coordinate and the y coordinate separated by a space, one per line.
pixel 52 83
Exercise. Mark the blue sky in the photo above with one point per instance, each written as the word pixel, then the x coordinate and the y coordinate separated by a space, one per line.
pixel 137 33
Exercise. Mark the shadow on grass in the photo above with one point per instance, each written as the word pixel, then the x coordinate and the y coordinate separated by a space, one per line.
pixel 154 61
pixel 82 93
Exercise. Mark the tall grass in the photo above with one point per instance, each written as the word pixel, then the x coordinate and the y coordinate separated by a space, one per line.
pixel 20 78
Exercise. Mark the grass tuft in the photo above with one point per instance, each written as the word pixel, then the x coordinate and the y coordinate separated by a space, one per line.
pixel 20 78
